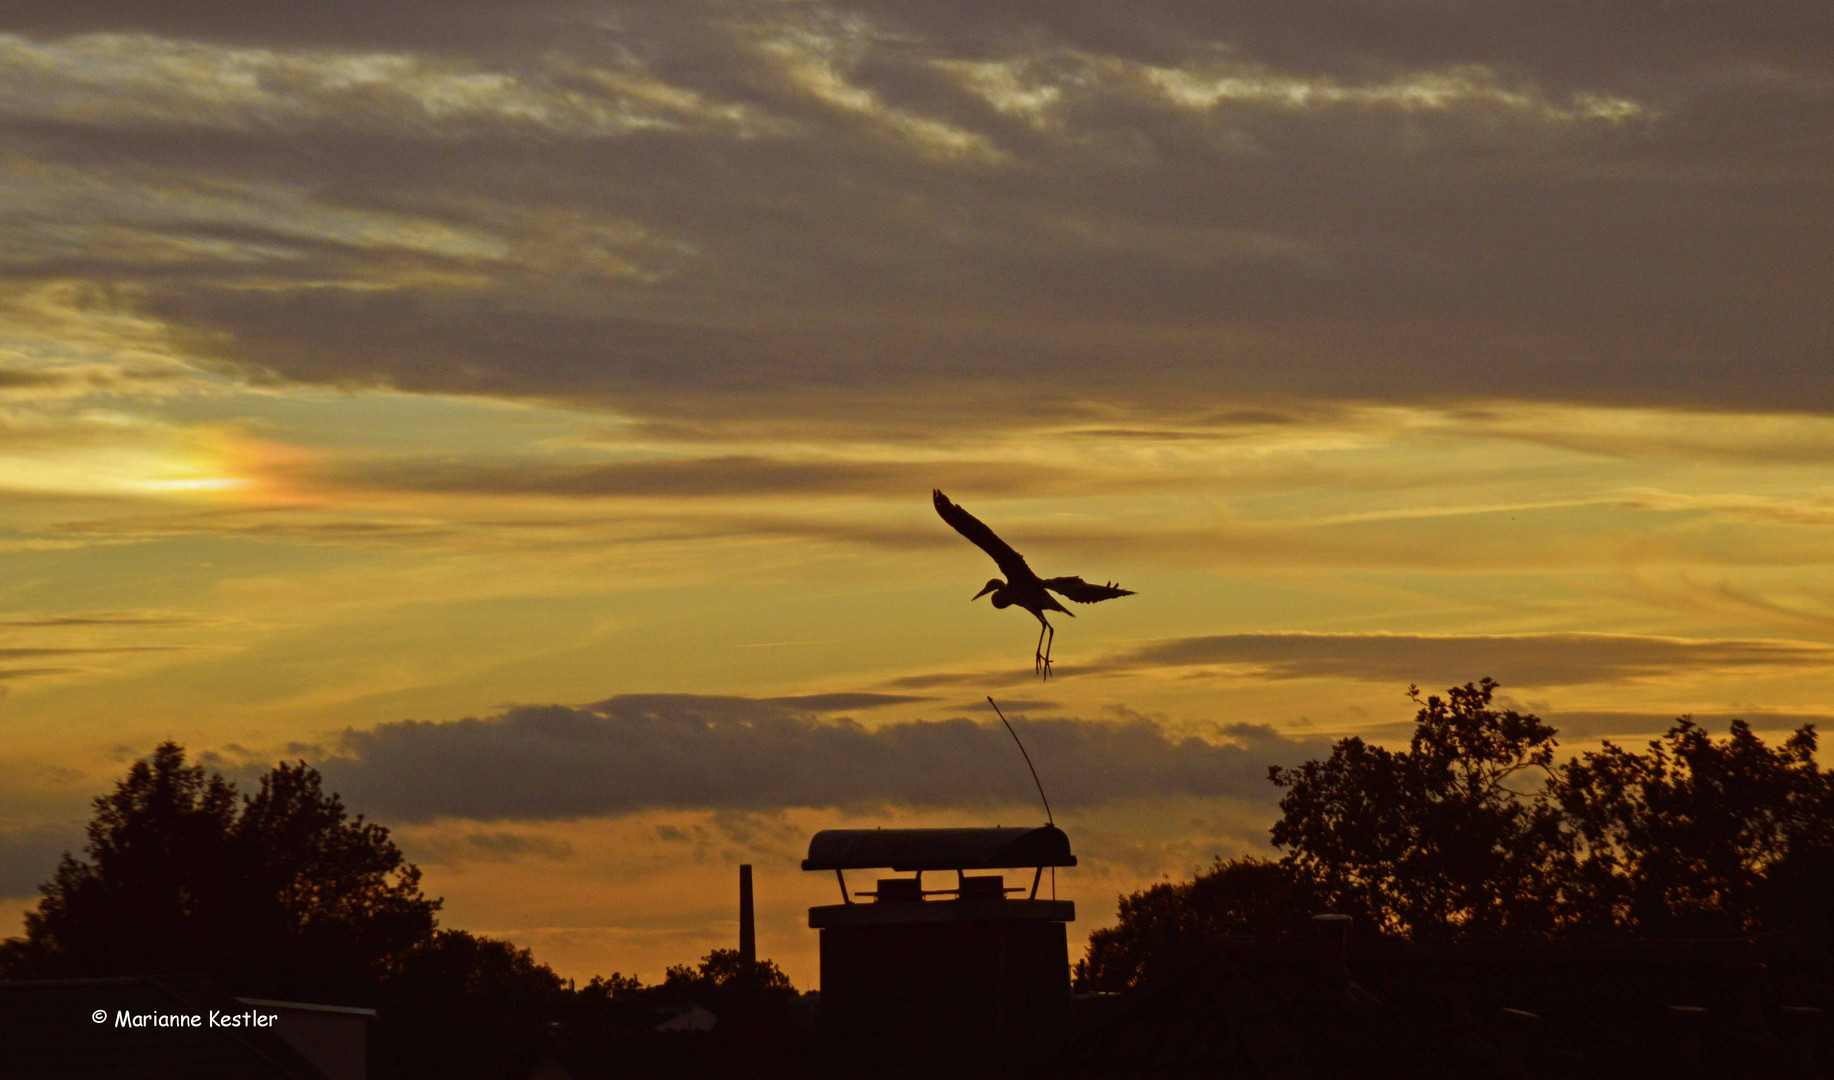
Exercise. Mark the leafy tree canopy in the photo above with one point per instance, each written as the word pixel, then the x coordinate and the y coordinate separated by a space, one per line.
pixel 1157 924
pixel 1451 833
pixel 1698 836
pixel 280 893
pixel 1476 828
pixel 283 894
pixel 463 1005
pixel 722 974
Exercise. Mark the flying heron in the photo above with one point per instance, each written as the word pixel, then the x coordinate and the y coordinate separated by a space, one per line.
pixel 1022 588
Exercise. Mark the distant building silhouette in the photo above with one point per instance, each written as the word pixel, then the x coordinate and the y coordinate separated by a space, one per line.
pixel 49 1031
pixel 335 1038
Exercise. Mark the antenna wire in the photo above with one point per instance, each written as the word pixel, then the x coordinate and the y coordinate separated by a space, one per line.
pixel 1028 764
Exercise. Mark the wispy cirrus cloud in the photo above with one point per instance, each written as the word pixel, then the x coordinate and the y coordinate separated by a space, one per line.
pixel 691 477
pixel 69 660
pixel 20 652
pixel 139 80
pixel 1516 659
pixel 18 673
pixel 1535 660
pixel 102 619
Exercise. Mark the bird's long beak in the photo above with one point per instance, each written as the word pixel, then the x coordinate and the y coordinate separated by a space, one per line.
pixel 982 593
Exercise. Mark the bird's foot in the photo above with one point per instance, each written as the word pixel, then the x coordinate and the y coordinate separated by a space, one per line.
pixel 1041 665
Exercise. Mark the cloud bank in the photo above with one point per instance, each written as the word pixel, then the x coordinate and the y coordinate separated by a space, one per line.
pixel 692 208
pixel 672 751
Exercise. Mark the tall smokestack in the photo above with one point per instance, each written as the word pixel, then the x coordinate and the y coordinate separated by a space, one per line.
pixel 748 932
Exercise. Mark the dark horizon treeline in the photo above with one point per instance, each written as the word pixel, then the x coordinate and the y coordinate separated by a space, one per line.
pixel 1474 829
pixel 281 894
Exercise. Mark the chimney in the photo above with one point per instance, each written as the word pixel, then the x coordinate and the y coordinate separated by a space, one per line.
pixel 1331 930
pixel 1748 978
pixel 972 984
pixel 1689 1024
pixel 748 933
pixel 1800 1025
pixel 1331 967
pixel 1515 1034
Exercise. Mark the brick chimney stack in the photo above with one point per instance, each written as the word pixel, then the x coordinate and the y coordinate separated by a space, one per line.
pixel 748 933
pixel 1333 971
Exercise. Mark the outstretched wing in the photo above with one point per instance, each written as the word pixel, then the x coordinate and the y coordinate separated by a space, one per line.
pixel 1012 564
pixel 1082 592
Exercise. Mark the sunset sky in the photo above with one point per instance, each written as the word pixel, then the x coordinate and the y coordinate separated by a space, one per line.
pixel 528 413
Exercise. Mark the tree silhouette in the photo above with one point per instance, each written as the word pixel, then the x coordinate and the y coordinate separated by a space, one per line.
pixel 280 893
pixel 1698 836
pixel 1454 833
pixel 464 1005
pixel 722 979
pixel 1157 924
pixel 283 894
pixel 1475 829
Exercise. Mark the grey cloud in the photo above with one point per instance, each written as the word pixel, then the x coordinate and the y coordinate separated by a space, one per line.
pixel 1343 36
pixel 1435 660
pixel 1012 705
pixel 29 856
pixel 933 680
pixel 139 81
pixel 46 651
pixel 1626 727
pixel 334 22
pixel 16 674
pixel 769 835
pixel 1156 203
pixel 840 702
pixel 639 752
pixel 488 846
pixel 64 382
pixel 104 618
pixel 8 674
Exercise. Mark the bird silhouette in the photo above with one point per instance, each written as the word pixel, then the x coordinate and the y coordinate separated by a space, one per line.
pixel 1023 588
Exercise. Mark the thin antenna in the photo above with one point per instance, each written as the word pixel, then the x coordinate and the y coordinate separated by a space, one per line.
pixel 1028 764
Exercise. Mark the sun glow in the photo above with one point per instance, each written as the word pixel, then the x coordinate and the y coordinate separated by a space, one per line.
pixel 200 483
pixel 94 454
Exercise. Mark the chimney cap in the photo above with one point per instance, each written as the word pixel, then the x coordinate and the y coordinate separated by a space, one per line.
pixel 938 849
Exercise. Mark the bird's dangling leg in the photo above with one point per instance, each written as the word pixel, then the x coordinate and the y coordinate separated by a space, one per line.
pixel 1041 654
